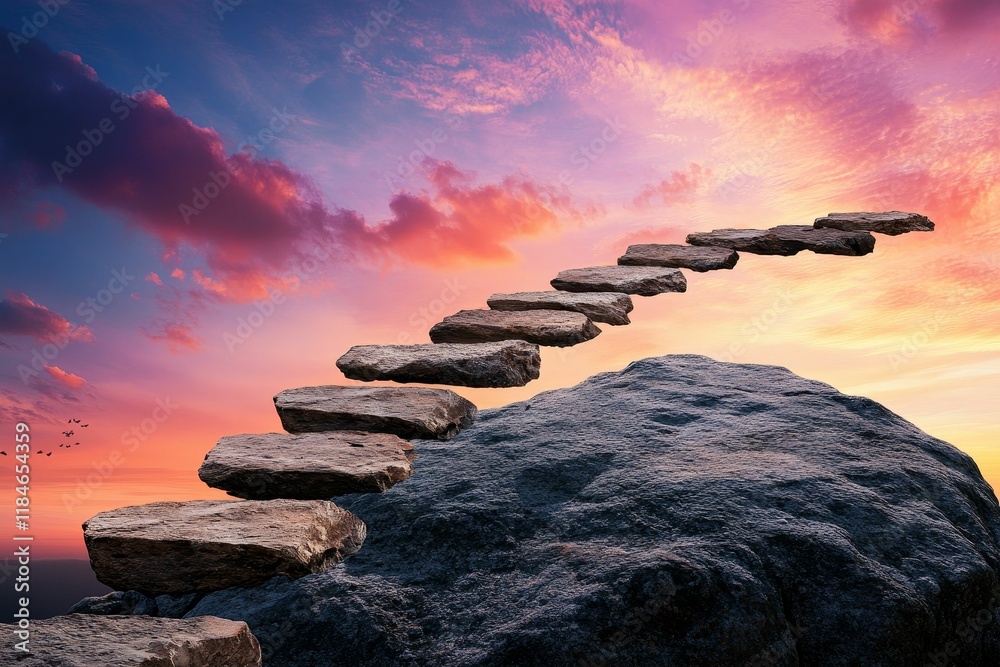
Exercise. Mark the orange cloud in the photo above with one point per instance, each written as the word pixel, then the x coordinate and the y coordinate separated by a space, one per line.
pixel 67 380
pixel 680 186
pixel 153 278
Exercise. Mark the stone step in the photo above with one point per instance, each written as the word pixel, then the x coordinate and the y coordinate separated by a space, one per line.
pixel 409 412
pixel 695 258
pixel 607 307
pixel 641 280
pixel 207 545
pixel 892 223
pixel 508 363
pixel 788 240
pixel 83 640
pixel 558 328
pixel 307 466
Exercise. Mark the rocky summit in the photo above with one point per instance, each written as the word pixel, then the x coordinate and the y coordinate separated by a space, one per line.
pixel 607 307
pixel 695 258
pixel 307 466
pixel 641 280
pixel 409 412
pixel 788 240
pixel 506 363
pixel 679 512
pixel 139 641
pixel 206 545
pixel 892 223
pixel 559 328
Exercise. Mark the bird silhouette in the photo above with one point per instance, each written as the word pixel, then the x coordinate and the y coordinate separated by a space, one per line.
pixel 84 425
pixel 49 454
pixel 39 451
pixel 76 421
pixel 4 453
pixel 68 434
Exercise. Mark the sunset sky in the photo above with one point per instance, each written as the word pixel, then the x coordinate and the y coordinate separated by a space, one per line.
pixel 204 203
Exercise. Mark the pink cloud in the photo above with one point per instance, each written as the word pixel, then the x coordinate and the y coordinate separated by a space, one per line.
pixel 178 337
pixel 679 187
pixel 153 278
pixel 65 379
pixel 20 316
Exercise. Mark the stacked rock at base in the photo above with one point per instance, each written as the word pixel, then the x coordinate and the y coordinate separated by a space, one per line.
pixel 307 466
pixel 207 545
pixel 409 412
pixel 81 640
pixel 506 363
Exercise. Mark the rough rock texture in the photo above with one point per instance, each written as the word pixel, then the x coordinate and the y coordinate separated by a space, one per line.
pixel 787 240
pixel 207 545
pixel 80 640
pixel 892 223
pixel 508 363
pixel 307 466
pixel 559 328
pixel 409 412
pixel 607 307
pixel 641 280
pixel 696 258
pixel 680 512
pixel 134 603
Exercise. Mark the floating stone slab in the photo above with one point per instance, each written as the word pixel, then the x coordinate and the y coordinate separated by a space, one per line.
pixel 409 412
pixel 892 223
pixel 696 258
pixel 558 328
pixel 307 466
pixel 208 545
pixel 788 240
pixel 607 307
pixel 82 640
pixel 641 280
pixel 509 363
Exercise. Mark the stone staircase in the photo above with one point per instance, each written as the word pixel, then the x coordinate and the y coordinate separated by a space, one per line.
pixel 350 439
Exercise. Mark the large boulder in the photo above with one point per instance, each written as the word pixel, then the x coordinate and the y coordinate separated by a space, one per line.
pixel 679 512
pixel 892 223
pixel 80 640
pixel 559 328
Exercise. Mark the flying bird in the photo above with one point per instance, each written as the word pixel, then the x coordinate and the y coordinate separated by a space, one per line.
pixel 76 421
pixel 84 425
pixel 39 451
pixel 68 434
pixel 49 454
pixel 4 453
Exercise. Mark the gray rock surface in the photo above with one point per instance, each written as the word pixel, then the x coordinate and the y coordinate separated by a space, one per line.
pixel 306 466
pixel 409 412
pixel 641 280
pixel 696 258
pixel 81 640
pixel 788 240
pixel 892 223
pixel 679 512
pixel 207 545
pixel 607 307
pixel 134 603
pixel 507 363
pixel 558 328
